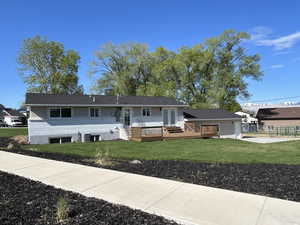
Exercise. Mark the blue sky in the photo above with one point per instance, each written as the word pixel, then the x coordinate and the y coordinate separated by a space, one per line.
pixel 86 25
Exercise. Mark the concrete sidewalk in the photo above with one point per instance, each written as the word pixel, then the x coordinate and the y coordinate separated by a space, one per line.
pixel 182 202
pixel 268 140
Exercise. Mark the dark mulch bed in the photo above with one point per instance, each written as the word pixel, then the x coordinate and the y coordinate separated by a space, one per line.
pixel 26 202
pixel 280 181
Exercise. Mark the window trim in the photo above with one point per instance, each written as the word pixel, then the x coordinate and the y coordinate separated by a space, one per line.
pixel 95 117
pixel 150 111
pixel 60 117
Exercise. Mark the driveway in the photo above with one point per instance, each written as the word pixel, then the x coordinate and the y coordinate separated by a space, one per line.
pixel 185 203
pixel 265 140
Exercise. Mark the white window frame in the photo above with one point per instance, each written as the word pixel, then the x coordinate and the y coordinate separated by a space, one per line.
pixel 60 117
pixel 94 117
pixel 150 111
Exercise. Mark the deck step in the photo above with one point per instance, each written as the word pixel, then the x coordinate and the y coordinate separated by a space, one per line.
pixel 173 130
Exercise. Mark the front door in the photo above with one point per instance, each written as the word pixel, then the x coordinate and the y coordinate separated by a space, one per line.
pixel 127 117
pixel 169 117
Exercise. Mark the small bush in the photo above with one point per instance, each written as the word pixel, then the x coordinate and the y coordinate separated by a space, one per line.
pixel 61 209
pixel 103 157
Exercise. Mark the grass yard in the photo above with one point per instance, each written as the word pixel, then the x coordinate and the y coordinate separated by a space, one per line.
pixel 10 132
pixel 204 150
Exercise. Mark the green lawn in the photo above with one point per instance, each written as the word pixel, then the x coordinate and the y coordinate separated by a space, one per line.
pixel 204 150
pixel 10 132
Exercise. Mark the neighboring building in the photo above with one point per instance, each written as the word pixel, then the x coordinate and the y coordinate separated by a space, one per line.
pixel 249 122
pixel 271 118
pixel 13 118
pixel 247 117
pixel 226 123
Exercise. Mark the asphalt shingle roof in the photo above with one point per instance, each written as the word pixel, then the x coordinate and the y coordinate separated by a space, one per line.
pixel 279 113
pixel 54 99
pixel 13 112
pixel 208 114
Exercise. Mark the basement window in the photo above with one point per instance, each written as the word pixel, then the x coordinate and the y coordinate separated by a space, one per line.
pixel 54 140
pixel 60 140
pixel 95 138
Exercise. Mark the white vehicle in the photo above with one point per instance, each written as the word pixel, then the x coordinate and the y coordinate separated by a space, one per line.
pixel 13 121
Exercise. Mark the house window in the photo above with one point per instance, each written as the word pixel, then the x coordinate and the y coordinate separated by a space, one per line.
pixel 60 113
pixel 59 140
pixel 94 112
pixel 55 113
pixel 66 112
pixel 297 128
pixel 146 112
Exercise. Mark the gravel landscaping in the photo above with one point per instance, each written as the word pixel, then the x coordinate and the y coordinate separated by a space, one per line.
pixel 27 202
pixel 274 180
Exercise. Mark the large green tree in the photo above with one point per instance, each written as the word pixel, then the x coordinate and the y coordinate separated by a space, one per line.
pixel 125 69
pixel 212 74
pixel 47 68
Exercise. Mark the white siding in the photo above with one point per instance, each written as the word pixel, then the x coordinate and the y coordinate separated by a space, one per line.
pixel 41 127
pixel 156 118
pixel 146 121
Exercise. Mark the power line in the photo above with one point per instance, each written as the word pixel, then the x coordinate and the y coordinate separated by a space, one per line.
pixel 273 99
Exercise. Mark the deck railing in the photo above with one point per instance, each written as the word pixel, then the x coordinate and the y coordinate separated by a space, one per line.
pixel 138 132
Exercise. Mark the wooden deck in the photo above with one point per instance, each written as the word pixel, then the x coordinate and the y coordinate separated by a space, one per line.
pixel 166 137
pixel 142 134
pixel 183 135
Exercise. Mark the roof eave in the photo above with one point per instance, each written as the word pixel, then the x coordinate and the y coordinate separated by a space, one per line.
pixel 105 105
pixel 197 119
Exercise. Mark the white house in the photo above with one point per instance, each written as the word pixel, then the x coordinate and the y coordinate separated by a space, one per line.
pixel 12 117
pixel 70 118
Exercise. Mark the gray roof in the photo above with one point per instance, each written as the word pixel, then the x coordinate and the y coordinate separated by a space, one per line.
pixel 13 112
pixel 55 99
pixel 209 114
